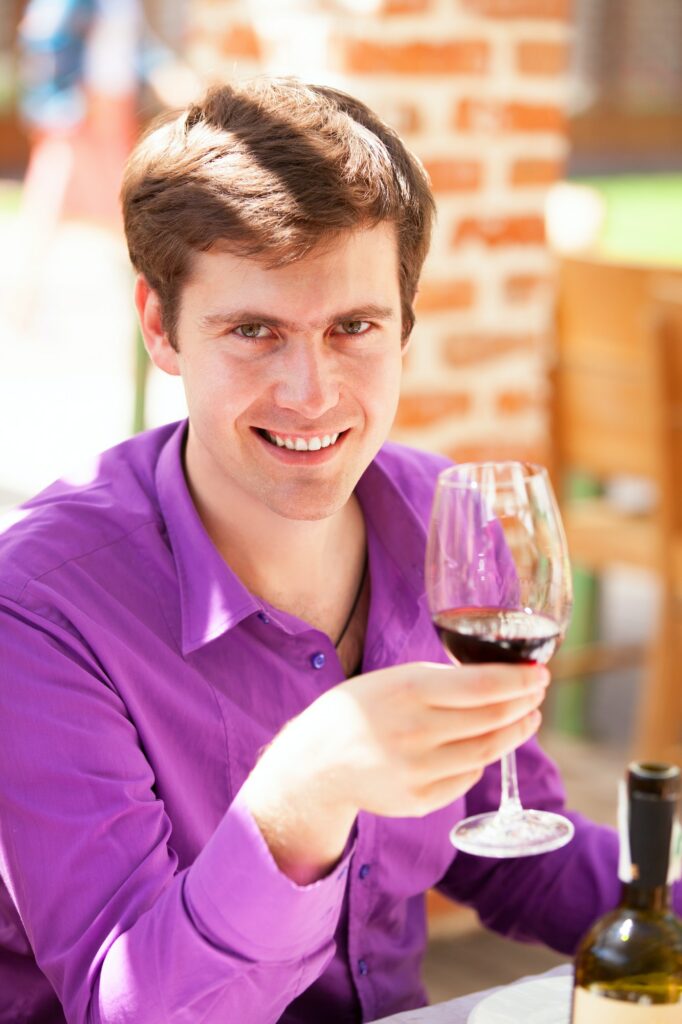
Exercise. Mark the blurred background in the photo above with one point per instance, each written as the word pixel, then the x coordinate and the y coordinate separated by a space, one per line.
pixel 552 133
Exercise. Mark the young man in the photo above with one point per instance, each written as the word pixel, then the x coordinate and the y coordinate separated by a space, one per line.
pixel 231 748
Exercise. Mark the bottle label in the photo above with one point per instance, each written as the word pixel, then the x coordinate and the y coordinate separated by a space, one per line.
pixel 675 872
pixel 589 1008
pixel 624 862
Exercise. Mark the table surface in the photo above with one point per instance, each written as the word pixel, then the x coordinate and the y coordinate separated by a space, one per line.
pixel 456 1011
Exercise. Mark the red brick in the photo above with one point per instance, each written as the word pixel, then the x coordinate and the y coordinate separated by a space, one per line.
pixel 423 409
pixel 530 117
pixel 467 56
pixel 511 403
pixel 403 7
pixel 556 9
pixel 494 231
pixel 445 296
pixel 241 41
pixel 454 175
pixel 542 58
pixel 493 117
pixel 466 349
pixel 535 172
pixel 522 288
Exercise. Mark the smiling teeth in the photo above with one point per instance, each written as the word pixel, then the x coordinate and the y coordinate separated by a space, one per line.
pixel 301 444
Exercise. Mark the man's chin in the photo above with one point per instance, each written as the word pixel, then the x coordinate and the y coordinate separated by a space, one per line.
pixel 302 507
pixel 304 513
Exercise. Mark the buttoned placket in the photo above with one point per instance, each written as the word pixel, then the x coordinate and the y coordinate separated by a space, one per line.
pixel 359 904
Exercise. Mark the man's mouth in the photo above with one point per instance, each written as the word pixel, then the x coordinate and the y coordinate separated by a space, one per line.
pixel 295 443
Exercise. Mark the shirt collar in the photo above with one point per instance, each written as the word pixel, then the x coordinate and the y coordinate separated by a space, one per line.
pixel 212 598
pixel 394 522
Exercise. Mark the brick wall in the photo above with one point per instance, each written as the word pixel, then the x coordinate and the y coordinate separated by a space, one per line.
pixel 478 90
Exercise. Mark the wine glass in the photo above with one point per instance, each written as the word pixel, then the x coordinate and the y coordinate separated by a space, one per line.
pixel 498 582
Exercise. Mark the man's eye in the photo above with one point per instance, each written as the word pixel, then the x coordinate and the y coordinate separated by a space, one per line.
pixel 354 326
pixel 251 330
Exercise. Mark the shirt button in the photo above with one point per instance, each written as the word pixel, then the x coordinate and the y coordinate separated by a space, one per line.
pixel 362 967
pixel 263 617
pixel 364 871
pixel 318 660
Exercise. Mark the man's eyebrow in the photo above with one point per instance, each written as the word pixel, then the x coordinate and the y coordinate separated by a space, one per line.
pixel 370 311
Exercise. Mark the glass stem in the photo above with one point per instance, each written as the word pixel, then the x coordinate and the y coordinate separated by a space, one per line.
pixel 510 802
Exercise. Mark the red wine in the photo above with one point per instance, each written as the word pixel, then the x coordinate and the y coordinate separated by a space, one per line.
pixel 476 635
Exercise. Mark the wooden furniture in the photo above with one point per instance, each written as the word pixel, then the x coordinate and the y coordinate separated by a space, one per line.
pixel 615 389
pixel 662 713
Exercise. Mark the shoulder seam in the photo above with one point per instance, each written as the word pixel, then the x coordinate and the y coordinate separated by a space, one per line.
pixel 84 554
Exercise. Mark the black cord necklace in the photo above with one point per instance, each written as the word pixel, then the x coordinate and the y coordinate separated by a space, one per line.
pixel 356 601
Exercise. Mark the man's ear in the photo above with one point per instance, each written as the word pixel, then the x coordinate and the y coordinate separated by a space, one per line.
pixel 148 306
pixel 405 344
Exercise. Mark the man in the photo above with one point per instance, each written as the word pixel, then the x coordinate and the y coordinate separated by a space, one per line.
pixel 231 750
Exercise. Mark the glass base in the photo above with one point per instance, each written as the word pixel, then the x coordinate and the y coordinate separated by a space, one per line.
pixel 516 834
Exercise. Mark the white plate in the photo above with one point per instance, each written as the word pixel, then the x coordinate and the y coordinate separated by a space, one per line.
pixel 542 1001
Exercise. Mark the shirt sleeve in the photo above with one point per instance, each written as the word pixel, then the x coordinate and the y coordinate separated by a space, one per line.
pixel 552 898
pixel 86 855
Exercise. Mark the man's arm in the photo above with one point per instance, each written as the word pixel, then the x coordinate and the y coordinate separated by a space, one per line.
pixel 399 742
pixel 86 854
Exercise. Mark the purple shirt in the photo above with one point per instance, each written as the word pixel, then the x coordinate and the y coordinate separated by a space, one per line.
pixel 138 681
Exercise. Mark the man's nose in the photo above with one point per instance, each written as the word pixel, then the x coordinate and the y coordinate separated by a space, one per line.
pixel 309 384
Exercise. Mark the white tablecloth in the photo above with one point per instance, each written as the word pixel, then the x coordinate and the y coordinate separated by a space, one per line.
pixel 456 1011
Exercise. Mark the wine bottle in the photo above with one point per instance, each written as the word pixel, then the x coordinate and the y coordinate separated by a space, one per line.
pixel 628 968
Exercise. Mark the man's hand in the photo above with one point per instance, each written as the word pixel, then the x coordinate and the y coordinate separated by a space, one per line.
pixel 400 742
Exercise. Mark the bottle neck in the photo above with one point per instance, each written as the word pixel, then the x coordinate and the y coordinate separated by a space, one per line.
pixel 649 836
pixel 640 897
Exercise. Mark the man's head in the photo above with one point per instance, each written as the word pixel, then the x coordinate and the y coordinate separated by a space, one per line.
pixel 270 170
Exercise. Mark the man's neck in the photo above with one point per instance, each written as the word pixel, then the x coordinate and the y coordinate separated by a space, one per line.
pixel 307 568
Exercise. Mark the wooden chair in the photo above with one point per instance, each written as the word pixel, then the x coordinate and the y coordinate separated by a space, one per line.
pixel 615 385
pixel 661 721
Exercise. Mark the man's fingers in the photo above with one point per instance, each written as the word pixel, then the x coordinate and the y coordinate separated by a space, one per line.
pixel 474 754
pixel 467 686
pixel 447 790
pixel 448 725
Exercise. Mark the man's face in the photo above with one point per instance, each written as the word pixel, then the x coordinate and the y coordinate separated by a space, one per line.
pixel 291 374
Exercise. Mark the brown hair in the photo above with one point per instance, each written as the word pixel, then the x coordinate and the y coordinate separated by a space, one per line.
pixel 269 169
